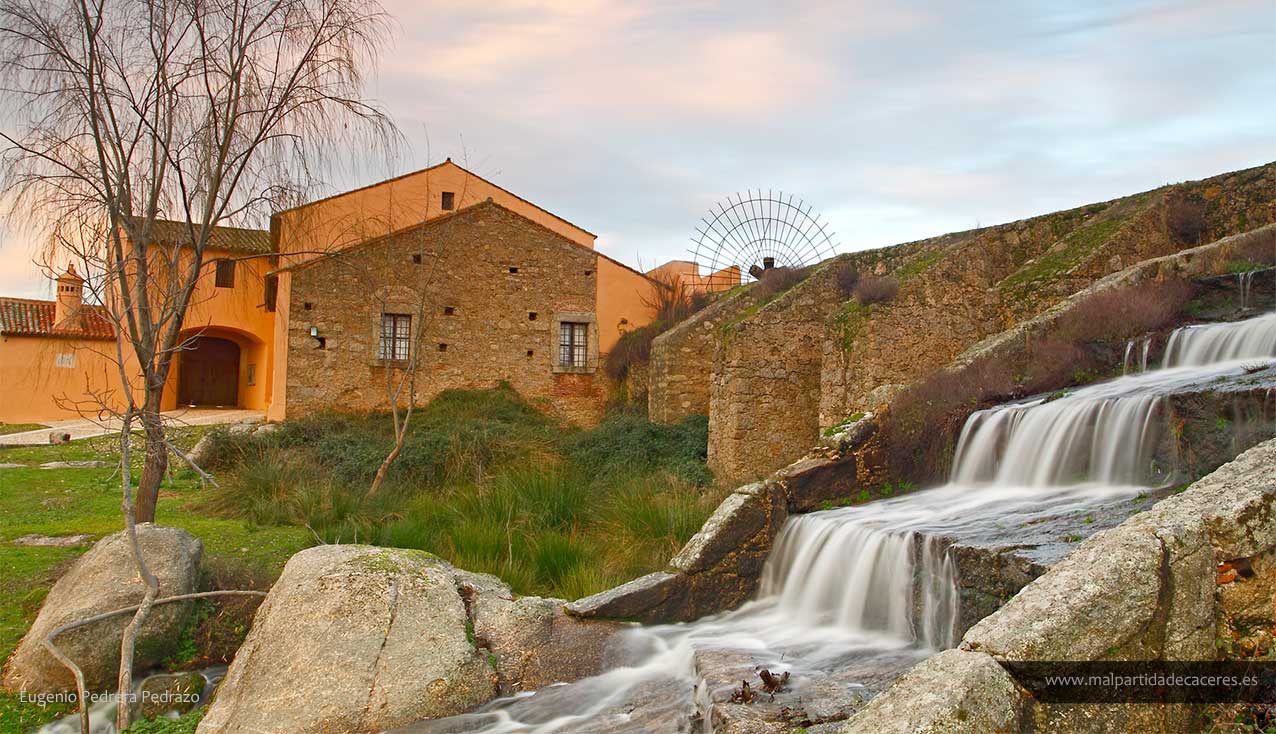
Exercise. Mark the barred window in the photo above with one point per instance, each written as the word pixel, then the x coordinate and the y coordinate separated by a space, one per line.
pixel 396 337
pixel 225 274
pixel 572 341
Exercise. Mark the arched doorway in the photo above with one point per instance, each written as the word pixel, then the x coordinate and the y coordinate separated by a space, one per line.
pixel 209 372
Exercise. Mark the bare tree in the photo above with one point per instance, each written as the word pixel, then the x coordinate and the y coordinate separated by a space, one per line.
pixel 126 112
pixel 417 293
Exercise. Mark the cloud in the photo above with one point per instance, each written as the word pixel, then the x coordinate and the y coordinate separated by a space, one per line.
pixel 896 120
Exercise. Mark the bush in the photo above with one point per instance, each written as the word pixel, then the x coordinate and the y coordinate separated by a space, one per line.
pixel 845 278
pixel 632 348
pixel 1117 314
pixel 1258 246
pixel 920 429
pixel 488 483
pixel 872 289
pixel 778 280
pixel 625 444
pixel 1185 217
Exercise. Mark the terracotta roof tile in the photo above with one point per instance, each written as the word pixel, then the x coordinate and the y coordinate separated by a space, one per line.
pixel 27 317
pixel 234 239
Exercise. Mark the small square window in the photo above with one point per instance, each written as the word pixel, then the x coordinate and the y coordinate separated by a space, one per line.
pixel 513 269
pixel 307 305
pixel 416 259
pixel 449 200
pixel 449 310
pixel 530 352
pixel 531 315
pixel 225 277
pixel 442 347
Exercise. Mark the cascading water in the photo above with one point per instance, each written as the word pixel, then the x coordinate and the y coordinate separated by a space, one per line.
pixel 853 596
pixel 1243 283
pixel 1136 361
pixel 1197 346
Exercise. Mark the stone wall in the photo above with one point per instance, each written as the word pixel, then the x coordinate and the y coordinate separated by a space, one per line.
pixel 494 287
pixel 840 468
pixel 682 359
pixel 964 288
pixel 765 385
pixel 1148 589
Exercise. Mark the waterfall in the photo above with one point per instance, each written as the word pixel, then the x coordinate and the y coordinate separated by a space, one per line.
pixel 1059 442
pixel 1198 346
pixel 1243 283
pixel 874 587
pixel 826 570
pixel 1129 361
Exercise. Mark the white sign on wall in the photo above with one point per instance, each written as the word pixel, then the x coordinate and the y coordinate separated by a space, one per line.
pixel 66 360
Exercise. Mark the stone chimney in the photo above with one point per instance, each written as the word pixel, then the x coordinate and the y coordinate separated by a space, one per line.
pixel 66 315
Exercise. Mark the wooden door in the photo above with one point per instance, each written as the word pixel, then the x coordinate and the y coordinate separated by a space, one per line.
pixel 209 373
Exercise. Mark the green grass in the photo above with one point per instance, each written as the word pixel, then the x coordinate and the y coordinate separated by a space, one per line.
pixel 87 501
pixel 486 482
pixel 1244 266
pixel 919 263
pixel 1077 245
pixel 7 428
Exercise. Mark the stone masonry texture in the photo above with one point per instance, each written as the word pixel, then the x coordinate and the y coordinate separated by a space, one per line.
pixel 494 287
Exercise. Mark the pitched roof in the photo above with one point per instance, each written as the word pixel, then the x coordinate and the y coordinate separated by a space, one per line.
pixel 448 162
pixel 475 208
pixel 233 239
pixel 28 317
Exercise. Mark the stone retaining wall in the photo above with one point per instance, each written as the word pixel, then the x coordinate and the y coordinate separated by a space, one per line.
pixel 682 358
pixel 839 467
pixel 765 386
pixel 1147 589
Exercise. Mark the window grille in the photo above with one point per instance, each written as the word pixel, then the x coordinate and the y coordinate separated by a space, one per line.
pixel 396 337
pixel 572 344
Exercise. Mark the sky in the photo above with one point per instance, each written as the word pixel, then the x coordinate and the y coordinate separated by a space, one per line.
pixel 894 120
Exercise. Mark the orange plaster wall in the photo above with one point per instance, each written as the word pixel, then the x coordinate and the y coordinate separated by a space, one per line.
pixel 238 314
pixel 621 292
pixel 32 385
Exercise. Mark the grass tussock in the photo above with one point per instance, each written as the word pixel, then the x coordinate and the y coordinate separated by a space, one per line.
pixel 486 482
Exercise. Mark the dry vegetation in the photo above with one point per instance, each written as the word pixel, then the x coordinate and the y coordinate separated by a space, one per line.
pixel 921 427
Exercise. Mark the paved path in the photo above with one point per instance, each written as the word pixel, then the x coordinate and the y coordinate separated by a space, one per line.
pixel 80 428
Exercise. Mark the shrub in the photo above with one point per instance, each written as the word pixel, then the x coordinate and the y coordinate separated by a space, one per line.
pixel 845 278
pixel 917 432
pixel 775 281
pixel 1117 314
pixel 670 302
pixel 488 483
pixel 625 444
pixel 1185 217
pixel 1257 246
pixel 872 289
pixel 632 348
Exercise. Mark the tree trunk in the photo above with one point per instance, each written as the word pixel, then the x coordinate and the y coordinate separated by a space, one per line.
pixel 156 463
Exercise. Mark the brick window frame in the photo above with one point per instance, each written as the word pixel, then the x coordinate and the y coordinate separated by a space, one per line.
pixel 579 323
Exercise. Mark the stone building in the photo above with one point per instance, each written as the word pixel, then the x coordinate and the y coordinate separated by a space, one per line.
pixel 439 268
pixel 484 295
